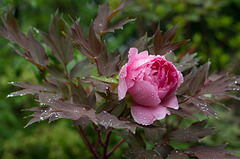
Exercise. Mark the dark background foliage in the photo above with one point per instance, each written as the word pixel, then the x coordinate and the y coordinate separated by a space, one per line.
pixel 213 27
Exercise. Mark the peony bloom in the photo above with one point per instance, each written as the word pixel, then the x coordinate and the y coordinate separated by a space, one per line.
pixel 151 81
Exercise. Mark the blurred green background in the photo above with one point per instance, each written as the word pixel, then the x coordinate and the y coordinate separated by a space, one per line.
pixel 212 25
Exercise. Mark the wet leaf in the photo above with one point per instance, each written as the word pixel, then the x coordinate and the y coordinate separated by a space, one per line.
pixel 193 133
pixel 140 153
pixel 203 106
pixel 199 79
pixel 164 150
pixel 177 154
pixel 154 135
pixel 134 140
pixel 182 113
pixel 209 152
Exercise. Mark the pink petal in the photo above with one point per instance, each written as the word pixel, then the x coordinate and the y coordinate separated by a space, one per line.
pixel 122 87
pixel 147 115
pixel 144 93
pixel 170 101
pixel 132 53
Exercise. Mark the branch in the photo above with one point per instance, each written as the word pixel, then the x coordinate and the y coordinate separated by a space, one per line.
pixel 106 145
pixel 87 142
pixel 115 147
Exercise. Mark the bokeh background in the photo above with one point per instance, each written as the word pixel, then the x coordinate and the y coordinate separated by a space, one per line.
pixel 212 25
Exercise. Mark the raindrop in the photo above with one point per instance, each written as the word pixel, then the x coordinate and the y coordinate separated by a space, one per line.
pixel 10 95
pixel 107 87
pixel 176 151
pixel 235 82
pixel 41 118
pixel 100 24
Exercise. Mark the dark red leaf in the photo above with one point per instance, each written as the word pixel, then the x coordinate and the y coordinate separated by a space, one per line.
pixel 140 153
pixel 203 106
pixel 172 47
pixel 199 79
pixel 94 44
pixel 122 5
pixel 101 21
pixel 209 152
pixel 177 154
pixel 192 133
pixel 169 36
pixel 154 135
pixel 164 150
pixel 182 113
pixel 157 41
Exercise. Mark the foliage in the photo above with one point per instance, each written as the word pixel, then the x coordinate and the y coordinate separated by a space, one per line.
pixel 73 93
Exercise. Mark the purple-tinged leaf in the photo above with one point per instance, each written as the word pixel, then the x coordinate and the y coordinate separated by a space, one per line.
pixel 57 73
pixel 140 153
pixel 78 93
pixel 172 47
pixel 199 79
pixel 101 86
pixel 154 135
pixel 203 106
pixel 122 5
pixel 83 121
pixel 134 140
pixel 91 99
pixel 222 84
pixel 210 152
pixel 117 25
pixel 169 36
pixel 11 31
pixel 81 69
pixel 62 88
pixel 94 43
pixel 187 62
pixel 62 48
pixel 101 21
pixel 28 89
pixel 37 51
pixel 164 150
pixel 74 112
pixel 119 109
pixel 192 133
pixel 107 106
pixel 182 113
pixel 157 41
pixel 177 154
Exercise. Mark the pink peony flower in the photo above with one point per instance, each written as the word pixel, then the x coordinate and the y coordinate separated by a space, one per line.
pixel 151 81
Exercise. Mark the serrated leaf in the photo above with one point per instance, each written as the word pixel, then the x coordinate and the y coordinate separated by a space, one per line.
pixel 91 99
pixel 199 79
pixel 134 140
pixel 140 153
pixel 164 150
pixel 154 135
pixel 74 112
pixel 101 21
pixel 169 36
pixel 122 5
pixel 117 25
pixel 78 93
pixel 157 41
pixel 107 106
pixel 182 113
pixel 118 110
pixel 203 106
pixel 105 79
pixel 192 133
pixel 209 152
pixel 57 73
pixel 37 51
pixel 28 89
pixel 172 47
pixel 81 69
pixel 222 84
pixel 62 48
pixel 94 43
pixel 187 62
pixel 177 154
